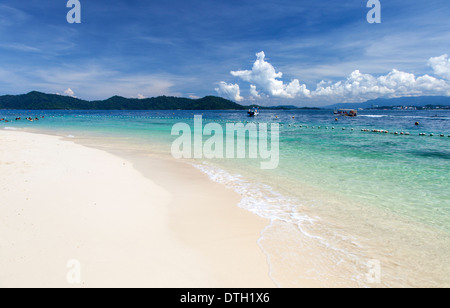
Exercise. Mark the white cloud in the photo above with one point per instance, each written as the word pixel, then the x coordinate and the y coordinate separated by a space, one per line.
pixel 140 96
pixel 193 96
pixel 69 92
pixel 20 47
pixel 362 87
pixel 232 91
pixel 441 66
pixel 264 77
pixel 11 17
pixel 254 92
pixel 265 82
pixel 91 82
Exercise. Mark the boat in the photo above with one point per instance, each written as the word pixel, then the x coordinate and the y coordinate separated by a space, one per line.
pixel 253 112
pixel 346 112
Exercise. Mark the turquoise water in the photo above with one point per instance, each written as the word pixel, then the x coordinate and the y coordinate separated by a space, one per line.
pixel 361 195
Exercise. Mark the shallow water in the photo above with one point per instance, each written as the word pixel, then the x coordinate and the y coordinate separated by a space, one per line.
pixel 346 197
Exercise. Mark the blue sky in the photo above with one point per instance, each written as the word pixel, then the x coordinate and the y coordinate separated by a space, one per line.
pixel 269 52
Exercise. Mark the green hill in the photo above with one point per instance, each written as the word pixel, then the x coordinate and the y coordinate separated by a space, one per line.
pixel 41 101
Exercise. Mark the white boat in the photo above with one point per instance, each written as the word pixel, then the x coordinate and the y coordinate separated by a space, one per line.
pixel 253 112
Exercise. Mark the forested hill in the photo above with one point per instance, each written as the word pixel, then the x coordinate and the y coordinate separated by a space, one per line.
pixel 41 101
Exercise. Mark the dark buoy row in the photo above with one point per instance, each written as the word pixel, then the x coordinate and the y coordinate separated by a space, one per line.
pixel 20 119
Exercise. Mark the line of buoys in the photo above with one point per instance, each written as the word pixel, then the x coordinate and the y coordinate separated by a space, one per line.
pixel 397 133
pixel 281 125
pixel 20 119
pixel 292 125
pixel 400 133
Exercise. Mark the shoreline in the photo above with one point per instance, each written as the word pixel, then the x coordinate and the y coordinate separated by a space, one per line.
pixel 225 234
pixel 157 222
pixel 311 247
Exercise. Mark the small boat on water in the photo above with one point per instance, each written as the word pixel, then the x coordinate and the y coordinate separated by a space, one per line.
pixel 253 112
pixel 346 112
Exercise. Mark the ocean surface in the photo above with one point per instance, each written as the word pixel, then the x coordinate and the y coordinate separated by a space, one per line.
pixel 347 206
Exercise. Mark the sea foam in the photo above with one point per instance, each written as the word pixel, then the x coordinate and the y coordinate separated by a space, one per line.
pixel 257 198
pixel 265 202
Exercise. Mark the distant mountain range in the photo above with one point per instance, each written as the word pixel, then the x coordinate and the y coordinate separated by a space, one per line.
pixel 41 101
pixel 419 101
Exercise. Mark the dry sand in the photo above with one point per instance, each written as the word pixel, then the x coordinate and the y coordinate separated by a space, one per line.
pixel 138 222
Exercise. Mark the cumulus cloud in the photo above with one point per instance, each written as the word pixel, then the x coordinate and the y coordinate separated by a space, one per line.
pixel 441 66
pixel 140 96
pixel 69 92
pixel 361 87
pixel 253 92
pixel 265 82
pixel 264 77
pixel 231 91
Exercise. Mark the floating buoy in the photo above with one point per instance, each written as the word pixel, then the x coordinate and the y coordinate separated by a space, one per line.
pixel 431 135
pixel 417 123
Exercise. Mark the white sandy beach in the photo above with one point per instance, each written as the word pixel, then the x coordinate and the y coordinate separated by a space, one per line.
pixel 155 223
